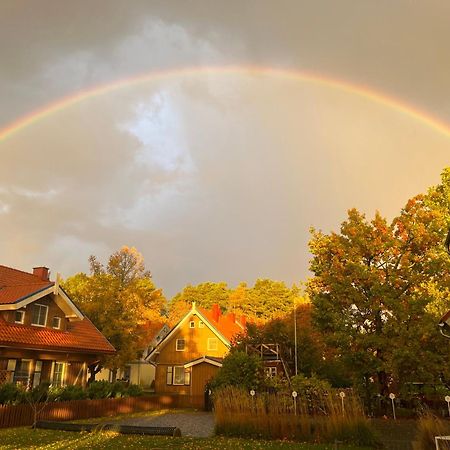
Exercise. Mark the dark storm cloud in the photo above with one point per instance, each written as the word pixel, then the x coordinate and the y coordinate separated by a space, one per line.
pixel 211 178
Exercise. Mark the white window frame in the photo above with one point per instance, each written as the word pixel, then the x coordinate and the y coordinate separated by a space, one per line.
pixel 169 375
pixel 63 373
pixel 213 348
pixel 174 375
pixel 46 315
pixel 184 345
pixel 22 321
pixel 201 324
pixel 192 324
pixel 59 323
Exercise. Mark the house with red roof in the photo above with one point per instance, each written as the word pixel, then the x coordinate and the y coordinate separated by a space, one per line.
pixel 192 352
pixel 44 337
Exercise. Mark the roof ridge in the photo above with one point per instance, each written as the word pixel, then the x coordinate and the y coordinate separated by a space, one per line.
pixel 17 270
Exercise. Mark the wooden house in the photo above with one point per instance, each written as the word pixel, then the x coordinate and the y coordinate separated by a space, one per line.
pixel 192 352
pixel 44 337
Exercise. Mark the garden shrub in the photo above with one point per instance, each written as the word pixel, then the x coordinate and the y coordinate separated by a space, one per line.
pixel 9 393
pixel 67 393
pixel 240 369
pixel 118 389
pixel 99 389
pixel 134 390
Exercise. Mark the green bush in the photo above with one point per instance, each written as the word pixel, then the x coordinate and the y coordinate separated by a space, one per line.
pixel 134 390
pixel 240 369
pixel 309 386
pixel 9 393
pixel 67 393
pixel 99 389
pixel 118 389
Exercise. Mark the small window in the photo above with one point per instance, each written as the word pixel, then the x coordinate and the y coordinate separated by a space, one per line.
pixel 212 344
pixel 169 375
pixel 56 323
pixel 187 376
pixel 178 375
pixel 201 324
pixel 39 317
pixel 59 370
pixel 191 324
pixel 37 373
pixel 19 316
pixel 181 345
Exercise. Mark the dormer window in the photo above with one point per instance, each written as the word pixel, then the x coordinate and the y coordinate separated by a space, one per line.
pixel 56 323
pixel 19 317
pixel 39 317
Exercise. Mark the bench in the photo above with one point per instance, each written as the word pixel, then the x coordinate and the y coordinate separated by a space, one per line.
pixel 122 429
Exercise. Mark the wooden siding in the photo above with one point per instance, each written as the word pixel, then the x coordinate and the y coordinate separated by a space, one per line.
pixel 201 374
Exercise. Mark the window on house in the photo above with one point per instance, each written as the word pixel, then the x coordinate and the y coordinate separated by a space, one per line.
pixel 39 317
pixel 56 322
pixel 37 373
pixel 169 375
pixel 187 376
pixel 178 375
pixel 213 344
pixel 22 372
pixel 59 369
pixel 180 345
pixel 201 324
pixel 271 372
pixel 191 324
pixel 19 316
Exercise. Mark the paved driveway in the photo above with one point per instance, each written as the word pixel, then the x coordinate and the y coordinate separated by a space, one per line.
pixel 196 424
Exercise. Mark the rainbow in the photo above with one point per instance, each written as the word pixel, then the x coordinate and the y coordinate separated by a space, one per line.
pixel 306 77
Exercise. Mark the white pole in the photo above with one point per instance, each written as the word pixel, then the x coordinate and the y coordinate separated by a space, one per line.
pixel 295 335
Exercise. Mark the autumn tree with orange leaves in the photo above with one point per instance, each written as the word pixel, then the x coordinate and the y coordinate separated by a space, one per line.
pixel 374 287
pixel 122 302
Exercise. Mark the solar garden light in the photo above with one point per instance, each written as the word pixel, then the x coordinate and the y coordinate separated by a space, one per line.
pixel 392 397
pixel 447 399
pixel 342 395
pixel 294 396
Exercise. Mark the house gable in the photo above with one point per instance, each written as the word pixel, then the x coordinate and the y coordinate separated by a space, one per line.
pixel 188 341
pixel 183 329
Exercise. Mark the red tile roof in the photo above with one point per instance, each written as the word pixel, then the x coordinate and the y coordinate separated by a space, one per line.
pixel 16 285
pixel 80 336
pixel 226 324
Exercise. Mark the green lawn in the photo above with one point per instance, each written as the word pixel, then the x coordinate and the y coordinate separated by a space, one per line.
pixel 26 438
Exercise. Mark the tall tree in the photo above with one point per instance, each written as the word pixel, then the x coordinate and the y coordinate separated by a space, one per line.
pixel 122 302
pixel 371 291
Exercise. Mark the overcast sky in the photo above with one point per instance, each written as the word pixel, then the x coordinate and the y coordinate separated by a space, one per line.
pixel 212 176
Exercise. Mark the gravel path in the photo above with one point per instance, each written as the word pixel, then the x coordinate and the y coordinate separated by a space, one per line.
pixel 196 424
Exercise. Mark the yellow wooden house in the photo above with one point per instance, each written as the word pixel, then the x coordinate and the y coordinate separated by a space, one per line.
pixel 192 352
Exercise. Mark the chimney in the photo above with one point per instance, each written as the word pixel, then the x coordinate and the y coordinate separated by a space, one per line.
pixel 215 311
pixel 243 321
pixel 232 316
pixel 41 272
